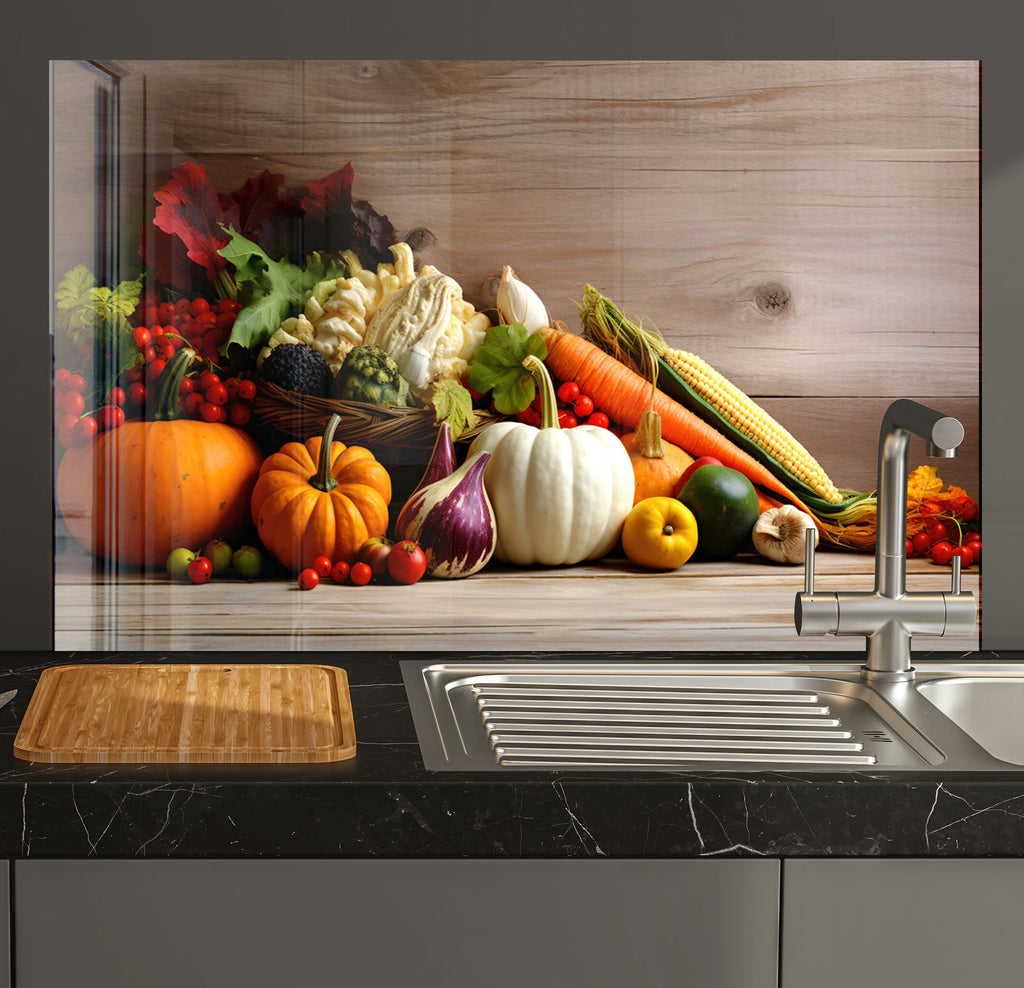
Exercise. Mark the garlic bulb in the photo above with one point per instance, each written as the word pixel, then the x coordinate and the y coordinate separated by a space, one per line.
pixel 778 533
pixel 518 302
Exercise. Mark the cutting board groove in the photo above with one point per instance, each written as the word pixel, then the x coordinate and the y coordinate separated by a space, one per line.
pixel 189 713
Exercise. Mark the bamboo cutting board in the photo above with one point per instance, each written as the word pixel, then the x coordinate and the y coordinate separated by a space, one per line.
pixel 189 713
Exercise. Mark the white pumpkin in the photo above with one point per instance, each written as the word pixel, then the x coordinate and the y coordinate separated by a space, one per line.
pixel 560 496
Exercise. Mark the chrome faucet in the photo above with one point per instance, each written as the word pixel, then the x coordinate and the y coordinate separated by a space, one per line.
pixel 888 616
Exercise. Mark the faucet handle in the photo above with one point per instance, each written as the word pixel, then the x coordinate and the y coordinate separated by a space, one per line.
pixel 809 534
pixel 955 562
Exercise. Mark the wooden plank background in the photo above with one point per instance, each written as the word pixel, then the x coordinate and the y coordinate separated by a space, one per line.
pixel 809 228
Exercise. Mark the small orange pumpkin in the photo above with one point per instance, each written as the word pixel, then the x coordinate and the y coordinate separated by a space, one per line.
pixel 320 498
pixel 136 492
pixel 657 465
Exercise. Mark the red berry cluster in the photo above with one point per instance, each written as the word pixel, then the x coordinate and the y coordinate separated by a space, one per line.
pixel 574 408
pixel 204 327
pixel 74 424
pixel 206 396
pixel 942 538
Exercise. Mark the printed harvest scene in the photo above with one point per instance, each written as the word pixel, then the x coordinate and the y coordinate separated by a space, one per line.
pixel 239 410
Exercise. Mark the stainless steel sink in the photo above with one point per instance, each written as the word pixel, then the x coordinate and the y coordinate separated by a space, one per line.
pixel 988 708
pixel 661 716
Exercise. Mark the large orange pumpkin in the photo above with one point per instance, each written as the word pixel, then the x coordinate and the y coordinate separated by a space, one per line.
pixel 139 491
pixel 320 498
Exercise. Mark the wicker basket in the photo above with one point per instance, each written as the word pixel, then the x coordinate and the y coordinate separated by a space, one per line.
pixel 392 434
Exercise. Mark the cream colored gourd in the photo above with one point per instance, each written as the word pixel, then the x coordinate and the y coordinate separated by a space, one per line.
pixel 560 496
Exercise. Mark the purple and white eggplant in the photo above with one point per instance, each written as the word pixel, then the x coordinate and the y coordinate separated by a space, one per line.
pixel 452 520
pixel 442 459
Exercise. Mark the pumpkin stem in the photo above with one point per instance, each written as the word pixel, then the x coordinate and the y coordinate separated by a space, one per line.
pixel 323 480
pixel 548 400
pixel 649 435
pixel 168 386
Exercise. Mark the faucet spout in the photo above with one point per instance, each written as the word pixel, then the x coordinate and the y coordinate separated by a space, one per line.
pixel 888 617
pixel 904 418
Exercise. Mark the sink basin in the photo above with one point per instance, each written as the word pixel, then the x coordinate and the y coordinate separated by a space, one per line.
pixel 581 715
pixel 989 709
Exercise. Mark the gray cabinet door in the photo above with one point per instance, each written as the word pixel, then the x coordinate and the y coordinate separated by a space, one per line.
pixel 388 923
pixel 938 923
pixel 5 924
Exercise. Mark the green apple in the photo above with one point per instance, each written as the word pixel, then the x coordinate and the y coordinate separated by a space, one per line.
pixel 177 562
pixel 219 553
pixel 247 562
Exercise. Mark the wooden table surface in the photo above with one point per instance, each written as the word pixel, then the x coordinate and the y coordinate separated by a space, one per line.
pixel 742 605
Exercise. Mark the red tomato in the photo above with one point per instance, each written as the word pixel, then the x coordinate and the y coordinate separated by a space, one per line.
pixel 323 566
pixel 583 406
pixel 339 571
pixel 923 542
pixel 965 553
pixel 200 569
pixel 942 553
pixel 937 531
pixel 569 392
pixel 406 562
pixel 308 579
pixel 599 419
pixel 360 574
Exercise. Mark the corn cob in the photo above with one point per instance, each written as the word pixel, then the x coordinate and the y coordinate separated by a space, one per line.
pixel 694 383
pixel 745 415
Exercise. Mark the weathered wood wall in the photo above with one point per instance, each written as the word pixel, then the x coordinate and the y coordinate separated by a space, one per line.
pixel 810 228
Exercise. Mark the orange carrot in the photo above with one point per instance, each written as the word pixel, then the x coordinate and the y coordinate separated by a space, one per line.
pixel 623 395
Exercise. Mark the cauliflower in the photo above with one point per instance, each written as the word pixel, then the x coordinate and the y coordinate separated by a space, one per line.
pixel 338 314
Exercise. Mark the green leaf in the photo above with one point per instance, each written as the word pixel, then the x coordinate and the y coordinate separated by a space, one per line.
pixel 270 291
pixel 87 308
pixel 454 404
pixel 498 366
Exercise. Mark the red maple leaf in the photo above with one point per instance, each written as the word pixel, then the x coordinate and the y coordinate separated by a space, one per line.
pixel 166 255
pixel 258 201
pixel 328 195
pixel 191 210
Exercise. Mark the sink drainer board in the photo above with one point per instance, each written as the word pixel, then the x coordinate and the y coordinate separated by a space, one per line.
pixel 657 717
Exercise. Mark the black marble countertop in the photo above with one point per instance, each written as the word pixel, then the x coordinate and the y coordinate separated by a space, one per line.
pixel 384 803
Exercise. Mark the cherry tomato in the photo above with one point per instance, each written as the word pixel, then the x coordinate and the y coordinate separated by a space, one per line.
pixel 73 403
pixel 208 378
pixel 937 531
pixel 360 574
pixel 566 420
pixel 187 386
pixel 155 368
pixel 583 406
pixel 599 419
pixel 922 542
pixel 246 389
pixel 339 571
pixel 965 554
pixel 942 553
pixel 308 579
pixel 143 337
pixel 198 305
pixel 200 569
pixel 217 394
pixel 77 382
pixel 60 379
pixel 192 403
pixel 110 417
pixel 910 547
pixel 973 536
pixel 165 311
pixel 136 392
pixel 323 566
pixel 406 562
pixel 569 392
pixel 116 396
pixel 209 412
pixel 239 413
